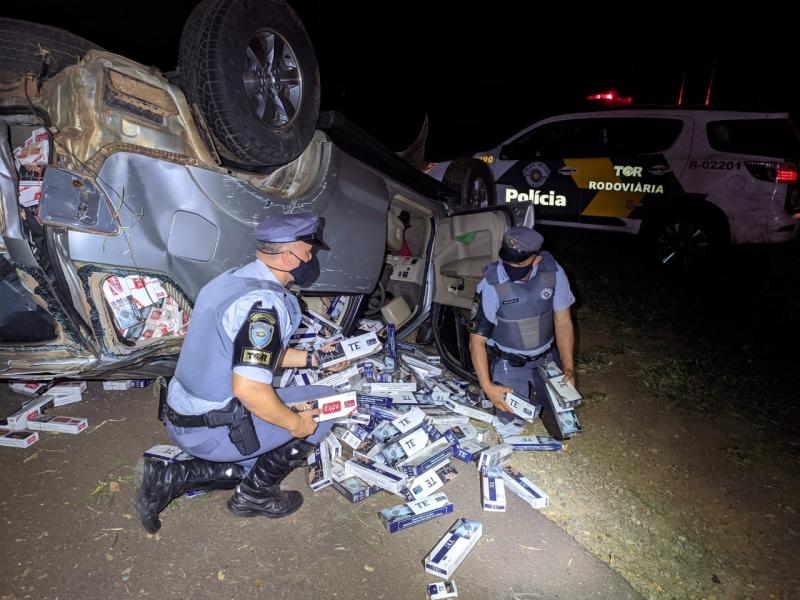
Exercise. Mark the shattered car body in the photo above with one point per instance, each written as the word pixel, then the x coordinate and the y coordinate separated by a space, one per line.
pixel 133 193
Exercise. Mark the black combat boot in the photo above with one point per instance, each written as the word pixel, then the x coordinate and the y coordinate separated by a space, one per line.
pixel 259 494
pixel 159 482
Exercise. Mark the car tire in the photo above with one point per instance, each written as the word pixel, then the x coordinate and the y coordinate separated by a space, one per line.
pixel 261 112
pixel 682 242
pixel 474 182
pixel 38 49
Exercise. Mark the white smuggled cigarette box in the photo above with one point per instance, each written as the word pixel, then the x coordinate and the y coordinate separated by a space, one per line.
pixel 433 359
pixel 468 450
pixel 334 445
pixel 325 327
pixel 421 365
pixel 57 423
pixel 472 413
pixel 319 468
pixel 443 418
pixel 28 388
pixel 522 407
pixel 494 455
pixel 533 443
pixel 440 393
pixel 17 439
pixel 373 473
pixel 32 408
pixel 442 590
pixel 165 452
pixel 566 394
pixel 342 377
pixel 432 455
pixel 116 386
pixel 349 349
pixel 445 557
pixel 400 517
pixel 430 481
pixel 354 489
pixel 369 450
pixel 405 446
pixel 336 406
pixel 390 388
pixel 403 398
pixel 524 488
pixel 461 433
pixel 353 436
pixel 494 489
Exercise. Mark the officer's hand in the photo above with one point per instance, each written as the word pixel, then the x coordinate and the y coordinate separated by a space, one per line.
pixel 496 395
pixel 569 376
pixel 306 425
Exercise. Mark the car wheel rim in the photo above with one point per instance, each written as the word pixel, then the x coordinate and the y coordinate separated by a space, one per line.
pixel 272 79
pixel 681 244
pixel 478 194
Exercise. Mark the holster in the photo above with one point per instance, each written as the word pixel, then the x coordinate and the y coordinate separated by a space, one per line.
pixel 160 391
pixel 239 421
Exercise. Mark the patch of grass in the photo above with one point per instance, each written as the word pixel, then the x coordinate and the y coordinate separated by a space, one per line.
pixel 594 360
pixel 687 382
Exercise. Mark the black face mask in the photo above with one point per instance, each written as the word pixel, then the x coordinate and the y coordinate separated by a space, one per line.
pixel 306 272
pixel 516 273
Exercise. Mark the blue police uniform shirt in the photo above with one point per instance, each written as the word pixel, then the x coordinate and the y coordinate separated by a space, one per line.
pixel 562 298
pixel 233 317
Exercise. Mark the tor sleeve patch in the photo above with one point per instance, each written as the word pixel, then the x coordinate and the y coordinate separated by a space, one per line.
pixel 258 343
pixel 478 323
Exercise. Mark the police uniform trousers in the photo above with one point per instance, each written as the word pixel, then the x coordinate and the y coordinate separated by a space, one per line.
pixel 523 379
pixel 214 444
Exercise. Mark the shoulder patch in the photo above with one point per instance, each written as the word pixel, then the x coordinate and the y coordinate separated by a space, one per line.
pixel 258 342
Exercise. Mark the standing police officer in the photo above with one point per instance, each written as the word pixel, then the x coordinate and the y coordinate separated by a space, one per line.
pixel 521 313
pixel 222 406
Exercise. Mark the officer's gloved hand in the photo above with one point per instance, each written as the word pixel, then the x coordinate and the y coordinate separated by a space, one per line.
pixel 497 394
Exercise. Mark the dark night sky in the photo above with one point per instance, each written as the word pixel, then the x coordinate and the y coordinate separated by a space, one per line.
pixel 483 71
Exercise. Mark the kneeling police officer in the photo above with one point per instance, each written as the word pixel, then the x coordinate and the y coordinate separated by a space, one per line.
pixel 521 316
pixel 222 407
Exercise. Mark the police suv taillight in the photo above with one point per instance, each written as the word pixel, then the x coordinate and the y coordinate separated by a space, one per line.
pixel 772 171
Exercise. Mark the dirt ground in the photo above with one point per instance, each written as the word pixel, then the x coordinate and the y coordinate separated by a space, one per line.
pixel 683 485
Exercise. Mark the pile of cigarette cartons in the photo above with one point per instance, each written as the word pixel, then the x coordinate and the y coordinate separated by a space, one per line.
pixel 31 161
pixel 142 308
pixel 20 429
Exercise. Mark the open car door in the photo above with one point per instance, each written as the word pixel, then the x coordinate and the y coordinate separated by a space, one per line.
pixel 464 244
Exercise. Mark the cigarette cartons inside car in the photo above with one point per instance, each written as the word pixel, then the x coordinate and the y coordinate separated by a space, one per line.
pixel 403 516
pixel 349 349
pixel 445 557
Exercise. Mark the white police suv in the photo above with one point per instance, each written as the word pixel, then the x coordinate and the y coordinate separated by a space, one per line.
pixel 686 180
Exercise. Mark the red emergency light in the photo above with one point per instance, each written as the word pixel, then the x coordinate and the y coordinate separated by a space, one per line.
pixel 611 98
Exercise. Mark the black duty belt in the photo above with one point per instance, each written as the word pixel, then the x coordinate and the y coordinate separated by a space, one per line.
pixel 516 359
pixel 180 420
pixel 233 415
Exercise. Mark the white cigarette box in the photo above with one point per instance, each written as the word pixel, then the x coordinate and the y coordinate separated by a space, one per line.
pixel 57 423
pixel 522 407
pixel 440 393
pixel 524 488
pixel 472 413
pixel 17 439
pixel 432 455
pixel 28 388
pixel 390 388
pixel 433 359
pixel 32 408
pixel 468 450
pixel 400 517
pixel 421 365
pixel 494 455
pixel 373 473
pixel 566 394
pixel 451 550
pixel 406 446
pixel 319 468
pixel 342 377
pixel 336 407
pixel 349 349
pixel 354 489
pixel 528 443
pixel 430 481
pixel 442 590
pixel 334 446
pixel 494 489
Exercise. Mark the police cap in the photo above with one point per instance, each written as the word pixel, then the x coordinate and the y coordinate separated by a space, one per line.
pixel 296 227
pixel 520 243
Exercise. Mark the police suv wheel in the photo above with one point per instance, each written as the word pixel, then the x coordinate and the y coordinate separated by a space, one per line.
pixel 682 243
pixel 250 68
pixel 473 180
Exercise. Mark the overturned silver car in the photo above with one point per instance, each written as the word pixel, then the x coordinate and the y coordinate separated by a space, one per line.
pixel 122 192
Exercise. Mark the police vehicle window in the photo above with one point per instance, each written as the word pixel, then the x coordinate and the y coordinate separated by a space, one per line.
pixel 641 136
pixel 579 138
pixel 764 137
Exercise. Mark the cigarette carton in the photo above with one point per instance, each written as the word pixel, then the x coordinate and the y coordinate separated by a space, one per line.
pixel 451 550
pixel 400 517
pixel 442 590
pixel 380 389
pixel 349 349
pixel 31 409
pixel 367 401
pixel 340 378
pixel 494 455
pixel 319 468
pixel 522 407
pixel 430 481
pixel 405 447
pixel 325 327
pixel 370 449
pixel 568 423
pixel 165 452
pixel 443 418
pixel 391 341
pixel 406 346
pixel 468 450
pixel 371 325
pixel 57 423
pixel 433 359
pixel 373 473
pixel 353 436
pixel 425 367
pixel 421 462
pixel 528 443
pixel 494 489
pixel 472 413
pixel 17 439
pixel 334 446
pixel 524 488
pixel 564 392
pixel 28 388
pixel 461 433
pixel 354 489
pixel 336 407
pixel 404 398
pixel 440 393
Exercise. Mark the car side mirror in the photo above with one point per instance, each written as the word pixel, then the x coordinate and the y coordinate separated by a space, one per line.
pixel 75 202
